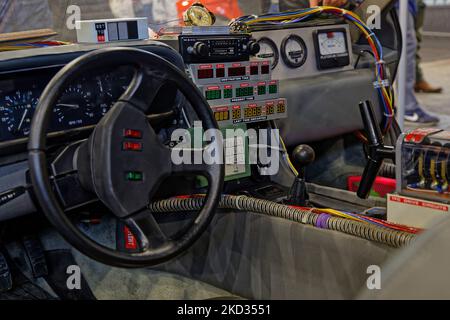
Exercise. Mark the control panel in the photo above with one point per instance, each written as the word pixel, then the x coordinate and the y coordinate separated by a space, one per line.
pixel 250 112
pixel 306 51
pixel 240 92
pixel 237 86
pixel 212 73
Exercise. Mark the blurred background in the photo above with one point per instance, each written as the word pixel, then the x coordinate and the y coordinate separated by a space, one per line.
pixel 435 54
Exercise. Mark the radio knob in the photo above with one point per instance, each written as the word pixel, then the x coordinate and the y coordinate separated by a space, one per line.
pixel 200 49
pixel 253 48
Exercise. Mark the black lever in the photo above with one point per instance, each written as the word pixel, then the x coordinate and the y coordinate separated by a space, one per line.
pixel 302 156
pixel 377 151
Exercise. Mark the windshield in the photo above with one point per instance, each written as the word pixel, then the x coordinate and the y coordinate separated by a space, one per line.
pixel 59 15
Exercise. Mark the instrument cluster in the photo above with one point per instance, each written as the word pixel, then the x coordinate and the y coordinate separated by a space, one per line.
pixel 82 104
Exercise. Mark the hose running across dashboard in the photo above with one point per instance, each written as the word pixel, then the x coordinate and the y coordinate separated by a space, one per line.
pixel 363 230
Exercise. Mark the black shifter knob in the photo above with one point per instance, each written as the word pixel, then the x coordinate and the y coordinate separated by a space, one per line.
pixel 303 155
pixel 377 151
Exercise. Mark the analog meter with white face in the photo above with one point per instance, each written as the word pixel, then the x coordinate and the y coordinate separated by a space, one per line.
pixel 294 51
pixel 332 49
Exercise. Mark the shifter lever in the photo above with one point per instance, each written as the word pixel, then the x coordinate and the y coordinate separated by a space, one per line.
pixel 302 156
pixel 377 151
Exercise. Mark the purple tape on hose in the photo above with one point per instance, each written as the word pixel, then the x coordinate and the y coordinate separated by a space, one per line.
pixel 322 221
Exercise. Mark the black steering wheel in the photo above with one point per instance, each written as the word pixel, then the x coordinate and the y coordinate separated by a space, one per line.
pixel 100 164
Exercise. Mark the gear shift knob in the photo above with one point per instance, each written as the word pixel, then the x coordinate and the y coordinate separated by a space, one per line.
pixel 303 155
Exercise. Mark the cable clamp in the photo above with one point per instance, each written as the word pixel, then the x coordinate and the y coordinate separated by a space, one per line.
pixel 389 115
pixel 382 84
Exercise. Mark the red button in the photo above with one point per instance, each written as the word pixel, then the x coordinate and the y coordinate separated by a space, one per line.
pixel 133 134
pixel 132 146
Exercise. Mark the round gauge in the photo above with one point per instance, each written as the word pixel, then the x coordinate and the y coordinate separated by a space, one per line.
pixel 294 51
pixel 74 109
pixel 17 111
pixel 268 51
pixel 199 15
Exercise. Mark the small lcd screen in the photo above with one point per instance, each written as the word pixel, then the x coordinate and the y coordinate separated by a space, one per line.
pixel 125 30
pixel 236 72
pixel 205 74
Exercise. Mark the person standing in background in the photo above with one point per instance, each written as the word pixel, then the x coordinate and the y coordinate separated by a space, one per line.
pixel 421 84
pixel 415 114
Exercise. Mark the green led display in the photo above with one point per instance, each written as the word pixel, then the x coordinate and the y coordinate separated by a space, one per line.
pixel 262 90
pixel 244 92
pixel 213 94
pixel 273 89
pixel 228 93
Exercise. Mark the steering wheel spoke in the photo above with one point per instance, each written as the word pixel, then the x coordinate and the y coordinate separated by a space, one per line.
pixel 146 230
pixel 144 88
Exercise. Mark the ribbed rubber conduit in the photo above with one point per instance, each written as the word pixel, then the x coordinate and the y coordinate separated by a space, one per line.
pixel 366 231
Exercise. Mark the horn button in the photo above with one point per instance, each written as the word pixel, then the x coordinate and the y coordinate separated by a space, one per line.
pixel 127 160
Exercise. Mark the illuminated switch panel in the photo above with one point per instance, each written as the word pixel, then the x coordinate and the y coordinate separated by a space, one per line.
pixel 229 93
pixel 112 30
pixel 213 73
pixel 251 112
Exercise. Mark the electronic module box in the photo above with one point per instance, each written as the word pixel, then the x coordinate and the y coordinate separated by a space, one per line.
pixel 423 165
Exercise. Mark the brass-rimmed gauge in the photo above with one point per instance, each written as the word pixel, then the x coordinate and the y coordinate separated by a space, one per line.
pixel 198 15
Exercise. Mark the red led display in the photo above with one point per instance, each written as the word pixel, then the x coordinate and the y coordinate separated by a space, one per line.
pixel 236 72
pixel 220 73
pixel 205 74
pixel 265 69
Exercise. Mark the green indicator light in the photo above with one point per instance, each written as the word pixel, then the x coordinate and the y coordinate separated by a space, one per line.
pixel 135 176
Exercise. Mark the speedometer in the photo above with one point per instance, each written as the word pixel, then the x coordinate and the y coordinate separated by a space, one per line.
pixel 16 112
pixel 74 109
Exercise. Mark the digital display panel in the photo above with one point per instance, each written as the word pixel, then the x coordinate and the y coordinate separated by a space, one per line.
pixel 236 72
pixel 253 112
pixel 205 74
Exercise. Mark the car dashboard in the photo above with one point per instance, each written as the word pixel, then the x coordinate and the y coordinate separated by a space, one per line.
pixel 304 109
pixel 82 105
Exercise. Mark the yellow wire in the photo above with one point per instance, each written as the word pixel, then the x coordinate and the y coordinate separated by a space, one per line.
pixel 291 165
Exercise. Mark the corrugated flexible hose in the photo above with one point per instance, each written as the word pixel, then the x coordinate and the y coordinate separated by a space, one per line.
pixel 363 230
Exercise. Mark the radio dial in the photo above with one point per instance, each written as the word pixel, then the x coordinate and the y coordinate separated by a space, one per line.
pixel 199 49
pixel 253 48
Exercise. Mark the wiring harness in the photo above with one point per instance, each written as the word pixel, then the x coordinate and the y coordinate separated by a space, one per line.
pixel 356 225
pixel 382 83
